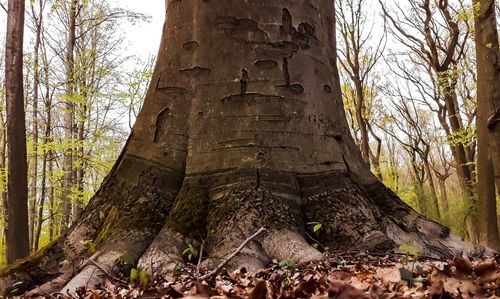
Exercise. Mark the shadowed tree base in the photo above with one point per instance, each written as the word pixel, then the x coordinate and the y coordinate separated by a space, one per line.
pixel 223 147
pixel 223 210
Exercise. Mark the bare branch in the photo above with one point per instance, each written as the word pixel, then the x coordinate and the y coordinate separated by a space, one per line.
pixel 235 253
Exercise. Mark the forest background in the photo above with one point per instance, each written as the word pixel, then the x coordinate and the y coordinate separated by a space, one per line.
pixel 408 119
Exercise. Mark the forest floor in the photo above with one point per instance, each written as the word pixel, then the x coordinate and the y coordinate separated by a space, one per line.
pixel 342 275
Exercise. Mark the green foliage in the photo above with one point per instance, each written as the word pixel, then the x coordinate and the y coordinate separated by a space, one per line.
pixel 91 245
pixel 465 136
pixel 287 264
pixel 341 263
pixel 190 253
pixel 133 275
pixel 315 226
pixel 139 276
pixel 411 251
pixel 287 281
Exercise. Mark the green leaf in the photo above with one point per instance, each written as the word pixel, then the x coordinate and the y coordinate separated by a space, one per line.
pixel 133 275
pixel 287 264
pixel 143 277
pixel 287 281
pixel 190 252
pixel 64 263
pixel 406 275
pixel 91 246
pixel 409 250
pixel 316 226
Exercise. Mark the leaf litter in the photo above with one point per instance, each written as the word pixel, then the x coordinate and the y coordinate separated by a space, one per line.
pixel 341 275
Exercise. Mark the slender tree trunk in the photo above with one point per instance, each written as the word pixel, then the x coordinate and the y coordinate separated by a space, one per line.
pixel 80 171
pixel 434 199
pixel 360 118
pixel 68 167
pixel 18 245
pixel 3 174
pixel 375 157
pixel 46 155
pixel 488 101
pixel 444 194
pixel 418 183
pixel 52 199
pixel 458 148
pixel 43 195
pixel 36 83
pixel 463 166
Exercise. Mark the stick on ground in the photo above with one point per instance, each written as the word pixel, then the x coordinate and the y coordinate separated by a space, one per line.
pixel 235 253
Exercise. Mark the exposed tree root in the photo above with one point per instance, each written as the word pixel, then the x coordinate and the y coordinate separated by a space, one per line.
pixel 130 234
pixel 52 286
pixel 233 255
pixel 164 253
pixel 25 274
pixel 290 245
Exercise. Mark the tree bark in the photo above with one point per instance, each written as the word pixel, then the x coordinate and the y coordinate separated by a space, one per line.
pixel 68 170
pixel 444 194
pixel 488 101
pixel 375 157
pixel 360 117
pixel 432 188
pixel 223 147
pixel 17 185
pixel 38 19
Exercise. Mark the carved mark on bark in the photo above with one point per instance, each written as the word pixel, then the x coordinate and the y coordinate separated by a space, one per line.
pixel 195 72
pixel 287 87
pixel 286 27
pixel 251 97
pixel 244 81
pixel 257 184
pixel 337 137
pixel 173 91
pixel 274 50
pixel 190 45
pixel 241 29
pixel 327 88
pixel 301 35
pixel 266 64
pixel 161 121
pixel 286 73
pixel 292 88
pixel 166 89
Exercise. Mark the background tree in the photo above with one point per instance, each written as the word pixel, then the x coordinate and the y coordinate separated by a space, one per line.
pixel 436 35
pixel 411 129
pixel 68 181
pixel 358 58
pixel 17 180
pixel 36 15
pixel 488 116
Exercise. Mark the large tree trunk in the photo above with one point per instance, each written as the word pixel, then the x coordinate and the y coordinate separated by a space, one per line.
pixel 488 95
pixel 17 181
pixel 225 146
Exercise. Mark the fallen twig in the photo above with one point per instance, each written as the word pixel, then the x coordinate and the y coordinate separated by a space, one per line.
pixel 200 257
pixel 221 265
